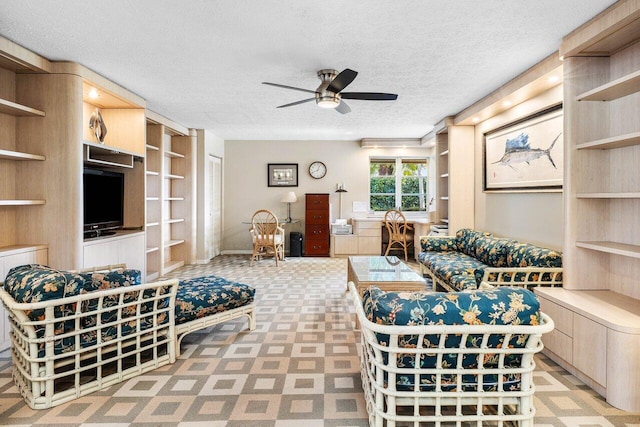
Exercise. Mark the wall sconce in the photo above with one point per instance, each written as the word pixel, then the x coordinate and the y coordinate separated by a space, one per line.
pixel 289 198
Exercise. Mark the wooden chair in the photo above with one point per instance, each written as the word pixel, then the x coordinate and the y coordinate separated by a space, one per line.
pixel 397 227
pixel 268 237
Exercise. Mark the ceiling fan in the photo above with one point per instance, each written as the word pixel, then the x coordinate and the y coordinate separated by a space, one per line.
pixel 329 94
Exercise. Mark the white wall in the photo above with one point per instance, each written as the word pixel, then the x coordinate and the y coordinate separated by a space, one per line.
pixel 206 144
pixel 533 217
pixel 245 180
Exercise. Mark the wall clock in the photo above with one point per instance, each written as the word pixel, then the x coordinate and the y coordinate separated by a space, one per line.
pixel 317 170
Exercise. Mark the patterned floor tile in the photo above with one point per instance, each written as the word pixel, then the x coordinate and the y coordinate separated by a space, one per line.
pixel 300 367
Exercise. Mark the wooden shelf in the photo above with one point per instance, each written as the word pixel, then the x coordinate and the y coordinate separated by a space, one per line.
pixel 444 153
pixel 153 249
pixel 444 198
pixel 19 249
pixel 444 175
pixel 172 265
pixel 152 173
pixel 174 154
pixel 152 199
pixel 173 220
pixel 630 195
pixel 623 249
pixel 152 147
pixel 171 176
pixel 615 89
pixel 175 199
pixel 21 202
pixel 13 109
pixel 17 155
pixel 152 224
pixel 173 243
pixel 619 141
pixel 445 220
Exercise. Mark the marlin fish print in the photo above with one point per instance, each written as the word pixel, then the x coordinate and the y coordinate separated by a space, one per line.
pixel 518 150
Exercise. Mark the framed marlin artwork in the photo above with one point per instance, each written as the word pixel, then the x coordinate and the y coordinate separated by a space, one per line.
pixel 526 155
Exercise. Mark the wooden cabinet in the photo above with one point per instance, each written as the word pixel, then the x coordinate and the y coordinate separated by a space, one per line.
pixel 455 175
pixel 601 253
pixel 317 225
pixel 170 197
pixel 10 257
pixel 126 249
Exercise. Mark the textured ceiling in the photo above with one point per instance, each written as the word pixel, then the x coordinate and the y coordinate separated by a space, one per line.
pixel 201 62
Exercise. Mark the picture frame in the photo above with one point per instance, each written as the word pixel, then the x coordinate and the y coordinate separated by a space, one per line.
pixel 526 155
pixel 282 174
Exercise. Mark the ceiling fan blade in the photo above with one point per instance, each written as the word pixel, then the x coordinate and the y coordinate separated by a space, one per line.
pixel 296 103
pixel 289 87
pixel 343 108
pixel 342 80
pixel 370 96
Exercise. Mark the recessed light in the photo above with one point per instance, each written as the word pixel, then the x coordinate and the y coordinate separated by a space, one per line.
pixel 506 103
pixel 93 93
pixel 475 120
pixel 553 79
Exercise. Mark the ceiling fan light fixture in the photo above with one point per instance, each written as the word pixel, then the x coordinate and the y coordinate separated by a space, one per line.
pixel 327 101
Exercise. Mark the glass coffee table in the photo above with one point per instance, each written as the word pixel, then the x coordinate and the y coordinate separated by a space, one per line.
pixel 388 273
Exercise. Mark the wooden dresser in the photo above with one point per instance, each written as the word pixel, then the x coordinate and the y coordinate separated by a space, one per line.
pixel 316 224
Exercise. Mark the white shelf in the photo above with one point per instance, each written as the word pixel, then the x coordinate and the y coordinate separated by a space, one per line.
pixel 630 195
pixel 615 89
pixel 152 199
pixel 152 147
pixel 445 220
pixel 619 141
pixel 444 198
pixel 14 109
pixel 153 249
pixel 152 224
pixel 623 249
pixel 171 176
pixel 17 155
pixel 21 202
pixel 174 154
pixel 173 243
pixel 444 153
pixel 173 220
pixel 175 199
pixel 152 173
pixel 152 275
pixel 444 175
pixel 172 265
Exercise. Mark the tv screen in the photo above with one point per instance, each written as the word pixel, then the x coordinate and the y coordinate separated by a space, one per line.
pixel 103 199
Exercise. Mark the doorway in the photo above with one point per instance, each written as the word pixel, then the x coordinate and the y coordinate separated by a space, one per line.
pixel 214 237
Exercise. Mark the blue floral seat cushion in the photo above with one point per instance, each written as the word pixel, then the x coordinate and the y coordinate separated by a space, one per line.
pixel 203 296
pixel 456 268
pixel 498 306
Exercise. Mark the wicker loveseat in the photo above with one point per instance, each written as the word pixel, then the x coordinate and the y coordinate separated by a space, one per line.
pixel 472 257
pixel 74 333
pixel 449 358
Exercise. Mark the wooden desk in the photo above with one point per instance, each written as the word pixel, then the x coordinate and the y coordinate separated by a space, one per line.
pixel 367 237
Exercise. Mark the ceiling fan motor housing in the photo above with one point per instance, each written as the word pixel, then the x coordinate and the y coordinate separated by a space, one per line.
pixel 324 97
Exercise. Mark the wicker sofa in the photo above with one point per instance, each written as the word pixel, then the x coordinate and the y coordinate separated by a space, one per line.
pixel 74 333
pixel 445 358
pixel 463 261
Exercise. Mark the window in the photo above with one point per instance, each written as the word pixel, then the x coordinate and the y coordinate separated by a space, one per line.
pixel 397 182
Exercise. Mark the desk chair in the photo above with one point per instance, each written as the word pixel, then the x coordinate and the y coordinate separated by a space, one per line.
pixel 397 228
pixel 267 236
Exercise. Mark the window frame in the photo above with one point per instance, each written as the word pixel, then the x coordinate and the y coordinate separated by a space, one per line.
pixel 398 194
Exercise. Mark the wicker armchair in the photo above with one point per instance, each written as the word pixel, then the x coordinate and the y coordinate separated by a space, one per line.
pixel 397 226
pixel 267 236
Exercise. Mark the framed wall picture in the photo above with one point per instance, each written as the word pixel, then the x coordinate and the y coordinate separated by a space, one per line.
pixel 526 155
pixel 282 174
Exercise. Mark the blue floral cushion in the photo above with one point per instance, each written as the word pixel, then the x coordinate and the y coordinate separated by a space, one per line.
pixel 466 240
pixel 493 251
pixel 439 243
pixel 446 265
pixel 526 254
pixel 203 296
pixel 498 306
pixel 34 283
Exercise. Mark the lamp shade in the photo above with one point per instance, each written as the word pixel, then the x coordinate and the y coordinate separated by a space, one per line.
pixel 289 197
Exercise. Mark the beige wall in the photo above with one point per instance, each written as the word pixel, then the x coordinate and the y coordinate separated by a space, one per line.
pixel 245 180
pixel 531 217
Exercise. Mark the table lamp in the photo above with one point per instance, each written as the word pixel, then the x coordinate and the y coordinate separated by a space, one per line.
pixel 289 198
